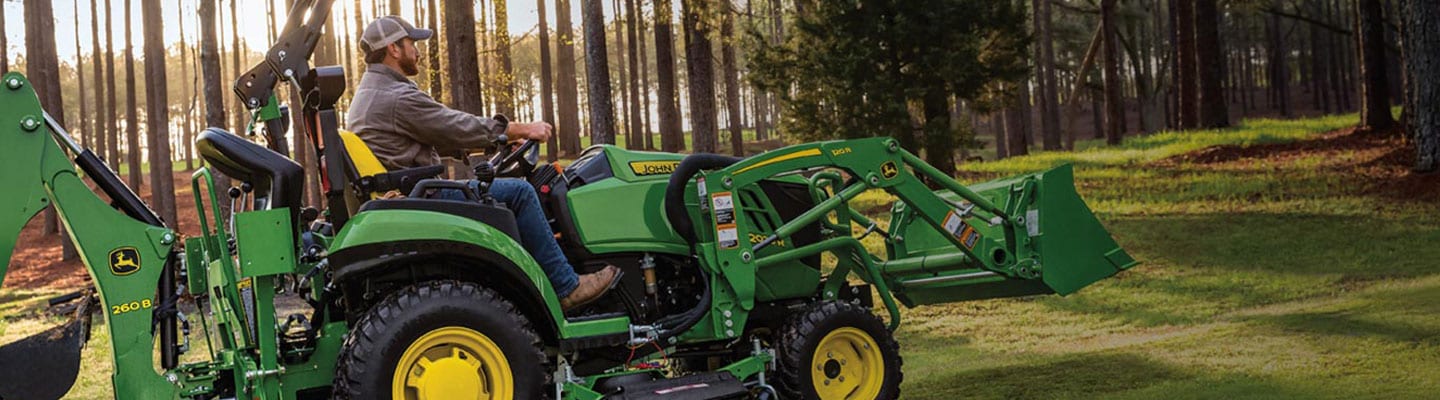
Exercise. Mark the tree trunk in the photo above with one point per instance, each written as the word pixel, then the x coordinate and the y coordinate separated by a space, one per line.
pixel 634 138
pixel 1185 59
pixel 666 100
pixel 85 133
pixel 97 66
pixel 215 112
pixel 1374 85
pixel 597 74
pixel 567 91
pixel 437 90
pixel 1279 64
pixel 1172 91
pixel 732 80
pixel 112 127
pixel 1319 62
pixel 132 119
pixel 939 137
pixel 1213 110
pixel 621 98
pixel 547 96
pixel 235 55
pixel 189 69
pixel 464 64
pixel 1421 19
pixel 505 80
pixel 1114 102
pixel 699 61
pixel 644 77
pixel 1049 96
pixel 5 44
pixel 162 182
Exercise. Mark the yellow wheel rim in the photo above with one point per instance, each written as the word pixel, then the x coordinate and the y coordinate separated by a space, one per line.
pixel 847 364
pixel 453 363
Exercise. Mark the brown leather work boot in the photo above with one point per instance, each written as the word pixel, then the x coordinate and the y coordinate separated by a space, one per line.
pixel 591 286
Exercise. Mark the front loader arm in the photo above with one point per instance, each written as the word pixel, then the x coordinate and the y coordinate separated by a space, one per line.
pixel 880 163
pixel 1023 235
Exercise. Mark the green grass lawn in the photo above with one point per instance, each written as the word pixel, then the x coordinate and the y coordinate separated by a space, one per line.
pixel 1261 278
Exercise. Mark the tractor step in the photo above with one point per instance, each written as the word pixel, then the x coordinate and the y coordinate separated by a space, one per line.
pixel 703 386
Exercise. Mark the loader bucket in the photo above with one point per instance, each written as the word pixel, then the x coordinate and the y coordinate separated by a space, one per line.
pixel 44 366
pixel 1073 249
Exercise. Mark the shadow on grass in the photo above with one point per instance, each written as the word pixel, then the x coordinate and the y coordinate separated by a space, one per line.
pixel 1345 323
pixel 1103 376
pixel 1407 315
pixel 1197 266
pixel 1288 243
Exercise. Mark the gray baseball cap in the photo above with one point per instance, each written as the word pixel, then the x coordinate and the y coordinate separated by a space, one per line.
pixel 387 30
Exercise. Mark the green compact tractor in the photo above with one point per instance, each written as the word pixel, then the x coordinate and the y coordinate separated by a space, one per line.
pixel 742 278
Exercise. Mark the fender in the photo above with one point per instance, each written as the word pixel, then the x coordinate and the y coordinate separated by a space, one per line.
pixel 375 241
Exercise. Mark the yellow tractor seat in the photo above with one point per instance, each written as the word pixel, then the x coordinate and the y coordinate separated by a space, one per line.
pixel 371 178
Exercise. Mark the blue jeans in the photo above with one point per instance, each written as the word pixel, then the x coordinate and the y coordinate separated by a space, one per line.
pixel 535 233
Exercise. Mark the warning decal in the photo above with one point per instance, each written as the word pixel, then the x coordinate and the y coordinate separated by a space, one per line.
pixel 966 234
pixel 728 236
pixel 724 206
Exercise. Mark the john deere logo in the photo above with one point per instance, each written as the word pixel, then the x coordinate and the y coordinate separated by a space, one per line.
pixel 889 169
pixel 124 261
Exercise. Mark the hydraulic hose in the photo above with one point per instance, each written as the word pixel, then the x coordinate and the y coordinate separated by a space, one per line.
pixel 680 221
pixel 675 190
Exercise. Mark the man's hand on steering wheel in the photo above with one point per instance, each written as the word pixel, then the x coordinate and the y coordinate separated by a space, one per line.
pixel 536 131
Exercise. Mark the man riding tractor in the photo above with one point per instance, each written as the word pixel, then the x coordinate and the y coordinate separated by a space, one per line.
pixel 406 128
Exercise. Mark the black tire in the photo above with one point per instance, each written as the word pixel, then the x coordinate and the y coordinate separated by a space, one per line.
pixel 800 337
pixel 379 340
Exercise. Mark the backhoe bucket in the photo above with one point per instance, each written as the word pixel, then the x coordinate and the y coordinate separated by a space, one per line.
pixel 44 366
pixel 1073 249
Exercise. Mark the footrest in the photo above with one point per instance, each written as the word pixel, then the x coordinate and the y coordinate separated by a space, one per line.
pixel 704 386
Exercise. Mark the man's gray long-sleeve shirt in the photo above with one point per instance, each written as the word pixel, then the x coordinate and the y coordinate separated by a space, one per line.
pixel 404 127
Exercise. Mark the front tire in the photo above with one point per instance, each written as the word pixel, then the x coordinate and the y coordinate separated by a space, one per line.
pixel 837 350
pixel 441 340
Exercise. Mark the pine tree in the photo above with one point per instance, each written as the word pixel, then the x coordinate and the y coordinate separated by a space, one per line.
pixel 597 74
pixel 547 95
pixel 1421 19
pixel 699 63
pixel 132 117
pixel 505 80
pixel 162 191
pixel 666 101
pixel 1213 111
pixel 1374 85
pixel 464 65
pixel 101 138
pixel 567 95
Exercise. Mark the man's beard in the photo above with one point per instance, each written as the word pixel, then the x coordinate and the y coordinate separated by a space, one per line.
pixel 408 65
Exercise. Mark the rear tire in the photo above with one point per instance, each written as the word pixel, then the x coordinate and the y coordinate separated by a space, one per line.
pixel 460 336
pixel 837 350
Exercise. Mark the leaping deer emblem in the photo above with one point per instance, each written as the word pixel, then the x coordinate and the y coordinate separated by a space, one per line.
pixel 124 261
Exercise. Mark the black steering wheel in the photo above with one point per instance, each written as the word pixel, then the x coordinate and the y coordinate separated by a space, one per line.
pixel 516 160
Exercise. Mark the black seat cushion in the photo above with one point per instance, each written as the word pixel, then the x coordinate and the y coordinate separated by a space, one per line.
pixel 273 175
pixel 496 216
